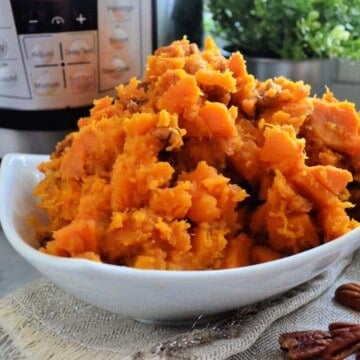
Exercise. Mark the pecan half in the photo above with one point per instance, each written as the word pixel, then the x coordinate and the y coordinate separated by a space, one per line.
pixel 348 295
pixel 340 328
pixel 343 345
pixel 303 345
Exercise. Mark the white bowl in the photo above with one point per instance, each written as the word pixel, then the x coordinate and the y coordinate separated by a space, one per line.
pixel 152 295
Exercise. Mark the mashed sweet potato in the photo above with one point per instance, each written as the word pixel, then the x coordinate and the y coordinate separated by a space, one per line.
pixel 201 166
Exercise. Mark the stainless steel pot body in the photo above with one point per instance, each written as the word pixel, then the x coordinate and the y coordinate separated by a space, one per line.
pixel 318 73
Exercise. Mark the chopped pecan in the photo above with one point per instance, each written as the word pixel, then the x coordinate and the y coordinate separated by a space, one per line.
pixel 348 295
pixel 143 85
pixel 44 238
pixel 134 105
pixel 171 137
pixel 343 345
pixel 267 93
pixel 303 345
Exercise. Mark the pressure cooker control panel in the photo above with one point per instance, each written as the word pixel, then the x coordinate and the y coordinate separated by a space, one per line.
pixel 56 54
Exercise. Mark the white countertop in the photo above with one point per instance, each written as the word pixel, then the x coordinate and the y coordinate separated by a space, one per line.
pixel 15 271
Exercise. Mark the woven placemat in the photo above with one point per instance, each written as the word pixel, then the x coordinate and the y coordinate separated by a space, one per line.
pixel 41 321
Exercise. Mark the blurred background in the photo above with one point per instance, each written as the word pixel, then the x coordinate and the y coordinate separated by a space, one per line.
pixel 57 56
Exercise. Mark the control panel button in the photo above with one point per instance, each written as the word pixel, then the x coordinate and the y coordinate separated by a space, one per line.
pixel 3 48
pixel 8 76
pixel 33 21
pixel 57 20
pixel 120 10
pixel 42 54
pixel 78 50
pixel 81 19
pixel 41 50
pixel 115 68
pixel 82 80
pixel 57 23
pixel 118 38
pixel 46 83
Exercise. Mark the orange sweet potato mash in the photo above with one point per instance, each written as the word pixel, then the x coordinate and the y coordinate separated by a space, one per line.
pixel 199 165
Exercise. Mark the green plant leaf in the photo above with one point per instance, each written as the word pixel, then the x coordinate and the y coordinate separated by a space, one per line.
pixel 292 29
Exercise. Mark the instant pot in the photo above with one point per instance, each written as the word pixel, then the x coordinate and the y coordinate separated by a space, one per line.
pixel 57 56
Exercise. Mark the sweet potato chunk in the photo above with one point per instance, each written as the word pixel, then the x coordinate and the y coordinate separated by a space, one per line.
pixel 261 254
pixel 218 120
pixel 336 125
pixel 238 252
pixel 282 149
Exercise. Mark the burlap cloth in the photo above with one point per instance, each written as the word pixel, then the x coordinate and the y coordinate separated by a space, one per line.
pixel 41 322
